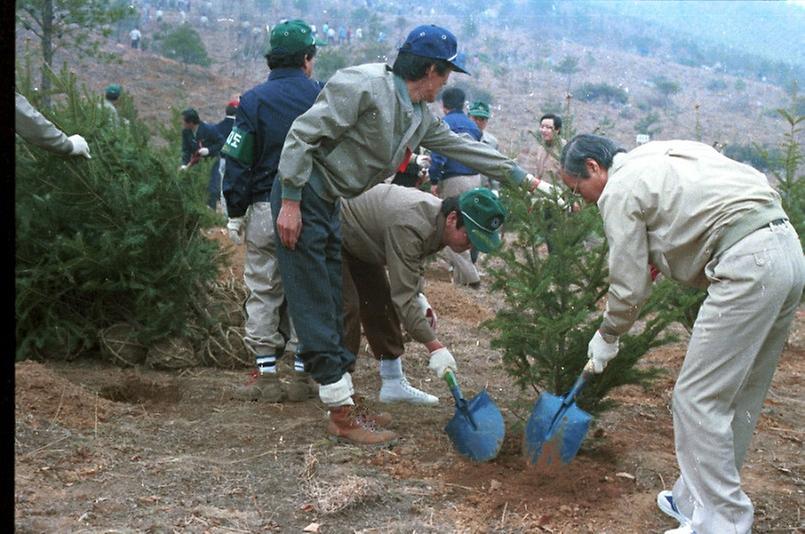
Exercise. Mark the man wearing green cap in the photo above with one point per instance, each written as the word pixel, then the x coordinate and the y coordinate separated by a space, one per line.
pixel 480 114
pixel 111 94
pixel 395 229
pixel 365 125
pixel 262 119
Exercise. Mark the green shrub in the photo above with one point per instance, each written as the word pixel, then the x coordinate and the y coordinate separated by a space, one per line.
pixel 115 238
pixel 603 92
pixel 184 44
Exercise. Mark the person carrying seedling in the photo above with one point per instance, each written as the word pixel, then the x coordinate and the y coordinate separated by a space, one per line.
pixel 396 228
pixel 364 126
pixel 199 139
pixel 705 221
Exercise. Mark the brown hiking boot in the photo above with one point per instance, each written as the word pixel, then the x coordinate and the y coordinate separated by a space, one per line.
pixel 346 425
pixel 265 387
pixel 382 419
pixel 301 387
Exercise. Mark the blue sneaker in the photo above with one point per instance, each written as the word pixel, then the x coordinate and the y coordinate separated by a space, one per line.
pixel 665 500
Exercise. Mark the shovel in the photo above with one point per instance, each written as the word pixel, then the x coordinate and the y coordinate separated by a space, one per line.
pixel 476 428
pixel 557 426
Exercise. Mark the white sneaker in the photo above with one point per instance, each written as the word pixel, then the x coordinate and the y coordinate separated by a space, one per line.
pixel 684 529
pixel 665 500
pixel 400 390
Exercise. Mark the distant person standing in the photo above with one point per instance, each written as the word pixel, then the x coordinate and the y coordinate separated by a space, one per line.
pixel 110 97
pixel 549 149
pixel 480 114
pixel 135 37
pixel 219 165
pixel 450 178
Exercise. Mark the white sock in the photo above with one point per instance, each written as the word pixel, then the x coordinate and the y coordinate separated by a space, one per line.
pixel 267 364
pixel 298 364
pixel 391 369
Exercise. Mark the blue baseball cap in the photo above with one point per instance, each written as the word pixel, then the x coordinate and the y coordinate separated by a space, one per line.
pixel 433 42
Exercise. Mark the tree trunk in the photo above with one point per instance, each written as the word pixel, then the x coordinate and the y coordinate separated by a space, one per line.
pixel 47 49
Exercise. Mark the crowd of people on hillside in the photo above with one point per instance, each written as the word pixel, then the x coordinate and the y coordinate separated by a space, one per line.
pixel 341 192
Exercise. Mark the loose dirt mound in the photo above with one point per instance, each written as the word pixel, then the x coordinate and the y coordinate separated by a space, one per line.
pixel 452 302
pixel 44 397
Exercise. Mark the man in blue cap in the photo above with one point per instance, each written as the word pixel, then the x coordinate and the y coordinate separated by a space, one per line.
pixel 364 126
pixel 254 142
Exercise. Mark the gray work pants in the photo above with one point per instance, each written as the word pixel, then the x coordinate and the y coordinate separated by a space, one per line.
pixel 464 271
pixel 755 288
pixel 268 326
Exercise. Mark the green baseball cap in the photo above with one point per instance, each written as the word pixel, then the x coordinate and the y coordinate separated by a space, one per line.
pixel 113 90
pixel 480 109
pixel 483 215
pixel 290 37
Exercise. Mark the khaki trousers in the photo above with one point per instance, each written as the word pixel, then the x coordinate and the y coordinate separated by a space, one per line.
pixel 464 271
pixel 755 288
pixel 367 302
pixel 268 326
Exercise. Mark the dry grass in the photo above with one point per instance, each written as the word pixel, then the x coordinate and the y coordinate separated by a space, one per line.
pixel 332 496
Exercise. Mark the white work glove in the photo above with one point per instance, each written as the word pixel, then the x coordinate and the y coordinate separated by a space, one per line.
pixel 442 361
pixel 537 184
pixel 80 146
pixel 427 311
pixel 423 160
pixel 182 168
pixel 600 351
pixel 235 228
pixel 203 151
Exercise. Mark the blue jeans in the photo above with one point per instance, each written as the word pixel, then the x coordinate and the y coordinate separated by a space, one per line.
pixel 311 274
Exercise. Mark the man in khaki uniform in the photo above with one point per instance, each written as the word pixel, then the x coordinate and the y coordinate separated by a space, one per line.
pixel 364 125
pixel 705 221
pixel 397 228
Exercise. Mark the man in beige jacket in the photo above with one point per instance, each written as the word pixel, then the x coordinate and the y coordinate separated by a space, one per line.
pixel 36 129
pixel 396 228
pixel 705 221
pixel 364 125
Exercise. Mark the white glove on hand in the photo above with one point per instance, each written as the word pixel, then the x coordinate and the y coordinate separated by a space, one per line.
pixel 182 168
pixel 80 146
pixel 544 187
pixel 427 311
pixel 600 351
pixel 441 361
pixel 204 151
pixel 235 228
pixel 423 160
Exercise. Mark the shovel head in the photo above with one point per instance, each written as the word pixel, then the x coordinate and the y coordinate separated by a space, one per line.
pixel 478 432
pixel 555 430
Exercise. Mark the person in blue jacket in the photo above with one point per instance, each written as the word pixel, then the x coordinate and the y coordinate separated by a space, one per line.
pixel 199 139
pixel 449 178
pixel 216 172
pixel 252 151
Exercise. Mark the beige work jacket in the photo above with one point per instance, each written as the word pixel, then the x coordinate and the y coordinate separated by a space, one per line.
pixel 676 204
pixel 397 227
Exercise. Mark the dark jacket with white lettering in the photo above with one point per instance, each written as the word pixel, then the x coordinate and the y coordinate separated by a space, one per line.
pixel 266 112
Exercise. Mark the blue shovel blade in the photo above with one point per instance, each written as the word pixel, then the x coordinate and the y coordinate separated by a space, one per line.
pixel 555 431
pixel 480 442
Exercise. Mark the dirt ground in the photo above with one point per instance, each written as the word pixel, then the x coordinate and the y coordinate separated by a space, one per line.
pixel 104 449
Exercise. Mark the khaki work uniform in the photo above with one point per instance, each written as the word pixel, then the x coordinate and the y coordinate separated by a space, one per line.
pixel 395 228
pixel 706 221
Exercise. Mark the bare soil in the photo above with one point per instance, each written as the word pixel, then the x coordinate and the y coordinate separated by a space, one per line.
pixel 102 449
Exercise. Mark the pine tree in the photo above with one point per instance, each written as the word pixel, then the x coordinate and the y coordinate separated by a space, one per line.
pixel 114 238
pixel 554 301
